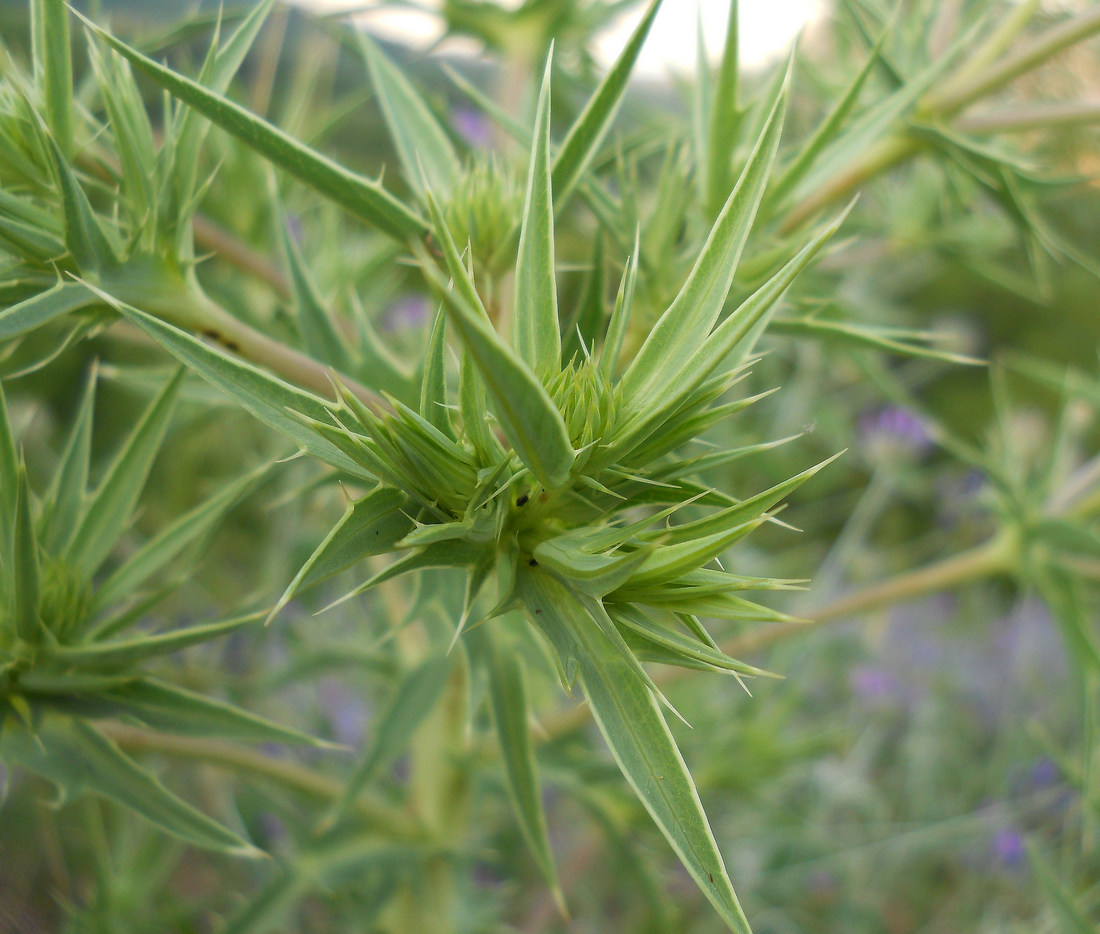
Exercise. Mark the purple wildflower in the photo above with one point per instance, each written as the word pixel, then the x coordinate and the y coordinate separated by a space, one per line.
pixel 294 228
pixel 406 313
pixel 345 710
pixel 874 685
pixel 473 126
pixel 1008 847
pixel 1045 772
pixel 893 429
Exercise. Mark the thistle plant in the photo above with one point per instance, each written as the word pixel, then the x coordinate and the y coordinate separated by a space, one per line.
pixel 550 493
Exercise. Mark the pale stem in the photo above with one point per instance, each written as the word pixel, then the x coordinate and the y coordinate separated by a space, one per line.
pixel 288 774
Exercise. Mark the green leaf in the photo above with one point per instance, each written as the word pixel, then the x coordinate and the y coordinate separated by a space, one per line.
pixel 425 151
pixel 508 698
pixel 61 299
pixel 362 198
pixel 131 131
pixel 672 342
pixel 319 334
pixel 724 117
pixel 411 703
pixel 84 237
pixel 735 338
pixel 129 652
pixel 620 315
pixel 77 757
pixel 527 414
pixel 1062 901
pixel 433 385
pixel 166 707
pixel 271 400
pixel 370 526
pixel 868 336
pixel 167 544
pixel 826 131
pixel 635 730
pixel 65 498
pixel 189 129
pixel 112 505
pixel 727 519
pixel 536 331
pixel 25 565
pixel 586 134
pixel 9 477
pixel 53 60
pixel 668 562
pixel 678 644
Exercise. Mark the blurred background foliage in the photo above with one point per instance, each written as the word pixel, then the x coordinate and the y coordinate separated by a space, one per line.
pixel 927 763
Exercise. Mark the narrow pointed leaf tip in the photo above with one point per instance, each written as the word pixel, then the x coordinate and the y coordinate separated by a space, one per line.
pixel 671 343
pixel 361 197
pixel 537 334
pixel 526 413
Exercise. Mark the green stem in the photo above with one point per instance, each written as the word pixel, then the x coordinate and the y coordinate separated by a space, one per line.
pixel 189 308
pixel 1039 117
pixel 243 761
pixel 1042 48
pixel 995 556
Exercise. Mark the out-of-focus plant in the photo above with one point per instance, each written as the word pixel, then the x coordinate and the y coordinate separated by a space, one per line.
pixel 549 475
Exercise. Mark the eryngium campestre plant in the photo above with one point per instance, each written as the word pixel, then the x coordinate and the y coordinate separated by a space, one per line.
pixel 550 463
pixel 534 477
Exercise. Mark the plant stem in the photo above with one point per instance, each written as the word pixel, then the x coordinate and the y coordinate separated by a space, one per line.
pixel 993 557
pixel 241 760
pixel 1039 117
pixel 191 309
pixel 1043 47
pixel 213 238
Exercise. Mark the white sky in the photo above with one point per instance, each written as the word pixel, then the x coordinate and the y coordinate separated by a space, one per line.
pixel 767 28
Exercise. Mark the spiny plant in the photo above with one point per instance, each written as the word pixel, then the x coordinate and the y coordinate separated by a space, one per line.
pixel 537 502
pixel 545 471
pixel 70 648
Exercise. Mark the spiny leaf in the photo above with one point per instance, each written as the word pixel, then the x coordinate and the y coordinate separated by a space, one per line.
pixel 724 114
pixel 128 652
pixel 167 544
pixel 61 299
pixel 586 134
pixel 425 151
pixel 735 338
pixel 364 199
pixel 635 730
pixel 620 315
pixel 433 385
pixel 65 496
pixel 176 710
pixel 77 757
pixel 112 505
pixel 527 414
pixel 677 643
pixel 674 337
pixel 536 331
pixel 318 331
pixel 508 698
pixel 826 130
pixel 50 35
pixel 84 237
pixel 25 565
pixel 268 398
pixel 411 703
pixel 732 517
pixel 370 526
